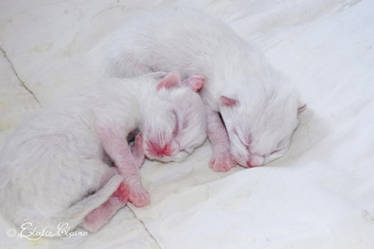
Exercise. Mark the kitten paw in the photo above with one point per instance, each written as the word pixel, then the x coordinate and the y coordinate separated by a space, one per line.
pixel 139 197
pixel 122 192
pixel 102 214
pixel 222 162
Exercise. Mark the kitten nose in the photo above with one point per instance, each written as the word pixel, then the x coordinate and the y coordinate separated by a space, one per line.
pixel 166 151
pixel 255 160
pixel 156 149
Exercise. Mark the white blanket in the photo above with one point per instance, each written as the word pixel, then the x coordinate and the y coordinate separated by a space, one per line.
pixel 319 195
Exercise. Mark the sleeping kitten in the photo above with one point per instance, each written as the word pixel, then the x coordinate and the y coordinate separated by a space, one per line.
pixel 252 109
pixel 55 166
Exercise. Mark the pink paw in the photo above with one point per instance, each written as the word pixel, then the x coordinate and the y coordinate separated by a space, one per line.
pixel 102 214
pixel 139 196
pixel 92 222
pixel 122 192
pixel 222 162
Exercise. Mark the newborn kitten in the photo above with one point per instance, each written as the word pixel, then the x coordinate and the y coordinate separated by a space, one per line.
pixel 55 166
pixel 256 103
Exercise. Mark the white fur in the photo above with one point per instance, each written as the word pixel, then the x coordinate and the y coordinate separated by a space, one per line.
pixel 190 41
pixel 55 158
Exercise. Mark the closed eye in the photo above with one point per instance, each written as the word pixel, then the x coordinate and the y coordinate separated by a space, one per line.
pixel 176 127
pixel 275 151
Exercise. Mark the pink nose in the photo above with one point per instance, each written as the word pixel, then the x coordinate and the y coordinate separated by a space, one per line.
pixel 255 161
pixel 157 150
pixel 249 165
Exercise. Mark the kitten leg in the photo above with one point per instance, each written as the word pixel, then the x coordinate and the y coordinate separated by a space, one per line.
pixel 222 159
pixel 102 214
pixel 137 150
pixel 118 149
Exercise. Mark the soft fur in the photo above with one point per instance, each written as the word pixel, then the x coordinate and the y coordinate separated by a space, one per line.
pixel 55 167
pixel 257 104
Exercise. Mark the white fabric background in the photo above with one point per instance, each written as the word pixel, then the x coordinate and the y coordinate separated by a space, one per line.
pixel 319 195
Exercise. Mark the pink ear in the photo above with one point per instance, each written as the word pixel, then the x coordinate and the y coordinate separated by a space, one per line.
pixel 301 108
pixel 171 80
pixel 226 101
pixel 195 82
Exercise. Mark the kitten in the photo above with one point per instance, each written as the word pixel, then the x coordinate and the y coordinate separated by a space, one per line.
pixel 56 165
pixel 252 109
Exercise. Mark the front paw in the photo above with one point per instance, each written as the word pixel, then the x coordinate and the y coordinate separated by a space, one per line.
pixel 139 196
pixel 222 162
pixel 122 193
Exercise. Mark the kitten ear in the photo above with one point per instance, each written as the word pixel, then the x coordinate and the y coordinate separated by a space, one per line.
pixel 229 102
pixel 171 80
pixel 196 82
pixel 301 108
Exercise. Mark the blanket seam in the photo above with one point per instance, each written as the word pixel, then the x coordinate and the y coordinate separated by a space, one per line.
pixel 146 229
pixel 22 82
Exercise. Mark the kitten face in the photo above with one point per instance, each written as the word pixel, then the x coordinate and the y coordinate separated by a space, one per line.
pixel 258 136
pixel 179 125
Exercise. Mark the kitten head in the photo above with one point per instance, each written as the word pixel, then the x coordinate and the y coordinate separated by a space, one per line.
pixel 260 127
pixel 175 119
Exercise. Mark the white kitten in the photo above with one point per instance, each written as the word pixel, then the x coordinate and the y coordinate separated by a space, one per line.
pixel 54 167
pixel 256 103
